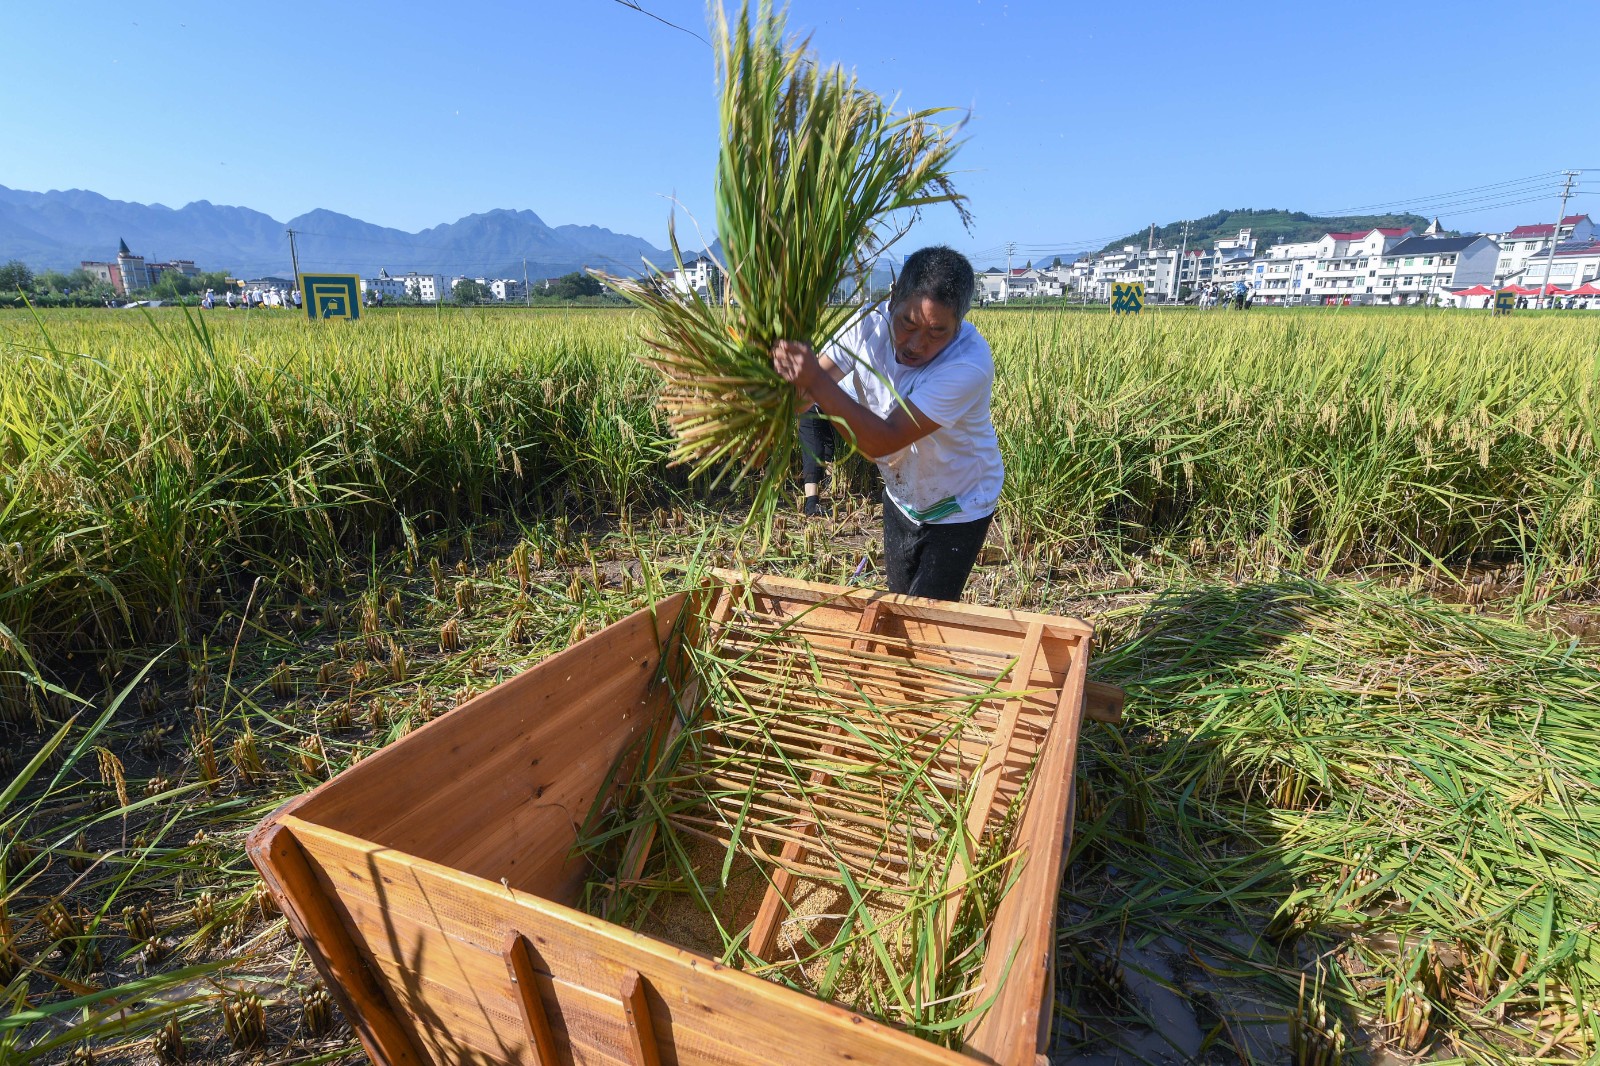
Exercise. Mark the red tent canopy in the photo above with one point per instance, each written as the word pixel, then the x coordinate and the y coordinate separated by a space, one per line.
pixel 1520 291
pixel 1476 290
pixel 1588 288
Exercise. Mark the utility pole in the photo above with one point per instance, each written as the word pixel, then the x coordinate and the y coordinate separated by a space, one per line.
pixel 1555 234
pixel 1005 293
pixel 527 293
pixel 294 257
pixel 1177 268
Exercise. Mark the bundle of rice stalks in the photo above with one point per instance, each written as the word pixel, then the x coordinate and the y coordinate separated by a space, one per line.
pixel 811 169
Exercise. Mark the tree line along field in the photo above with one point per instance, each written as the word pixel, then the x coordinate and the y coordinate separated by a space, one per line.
pixel 1342 564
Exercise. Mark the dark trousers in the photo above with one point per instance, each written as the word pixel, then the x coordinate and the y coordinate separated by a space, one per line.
pixel 817 437
pixel 931 560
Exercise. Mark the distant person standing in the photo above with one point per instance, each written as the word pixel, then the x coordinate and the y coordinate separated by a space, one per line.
pixel 817 442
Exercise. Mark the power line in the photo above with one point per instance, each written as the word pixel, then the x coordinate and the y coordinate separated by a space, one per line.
pixel 1546 176
pixel 634 5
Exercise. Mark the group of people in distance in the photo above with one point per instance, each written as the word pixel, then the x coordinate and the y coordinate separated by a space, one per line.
pixel 252 298
pixel 1239 295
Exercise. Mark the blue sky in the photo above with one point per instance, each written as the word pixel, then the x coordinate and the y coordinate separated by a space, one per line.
pixel 1087 120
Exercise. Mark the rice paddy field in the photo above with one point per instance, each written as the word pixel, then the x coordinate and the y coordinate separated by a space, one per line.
pixel 1345 563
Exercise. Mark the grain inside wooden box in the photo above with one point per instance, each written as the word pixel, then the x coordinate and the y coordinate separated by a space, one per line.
pixel 433 883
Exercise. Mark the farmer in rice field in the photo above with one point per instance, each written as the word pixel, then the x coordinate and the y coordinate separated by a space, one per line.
pixel 912 384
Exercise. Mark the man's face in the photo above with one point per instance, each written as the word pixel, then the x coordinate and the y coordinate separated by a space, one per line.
pixel 921 328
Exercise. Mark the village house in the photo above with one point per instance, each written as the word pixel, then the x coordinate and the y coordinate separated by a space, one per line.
pixel 130 273
pixel 1575 263
pixel 699 275
pixel 1524 243
pixel 1425 269
pixel 1346 264
pixel 1283 272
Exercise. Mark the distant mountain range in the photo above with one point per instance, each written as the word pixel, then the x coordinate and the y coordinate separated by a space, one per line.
pixel 58 230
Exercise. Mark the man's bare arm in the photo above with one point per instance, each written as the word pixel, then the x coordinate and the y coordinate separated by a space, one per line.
pixel 818 379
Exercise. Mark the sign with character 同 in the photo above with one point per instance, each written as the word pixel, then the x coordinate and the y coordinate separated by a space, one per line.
pixel 331 295
pixel 1127 297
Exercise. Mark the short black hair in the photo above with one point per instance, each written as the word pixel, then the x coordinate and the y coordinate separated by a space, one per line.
pixel 940 273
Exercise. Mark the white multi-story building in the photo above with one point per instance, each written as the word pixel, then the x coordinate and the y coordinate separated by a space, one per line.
pixel 1574 264
pixel 699 275
pixel 1426 269
pixel 1158 269
pixel 1525 243
pixel 507 289
pixel 1023 281
pixel 1233 245
pixel 1000 286
pixel 1232 267
pixel 428 288
pixel 1196 268
pixel 1346 264
pixel 1112 267
pixel 1055 280
pixel 1283 272
pixel 383 285
pixel 1092 277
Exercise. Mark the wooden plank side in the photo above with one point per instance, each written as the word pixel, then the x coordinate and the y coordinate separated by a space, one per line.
pixel 522 760
pixel 636 851
pixel 460 1025
pixel 587 1028
pixel 704 997
pixel 312 917
pixel 1050 668
pixel 996 760
pixel 1103 702
pixel 917 607
pixel 480 1022
pixel 1025 919
pixel 474 731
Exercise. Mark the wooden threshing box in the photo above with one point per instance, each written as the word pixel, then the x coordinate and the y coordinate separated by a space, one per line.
pixel 434 883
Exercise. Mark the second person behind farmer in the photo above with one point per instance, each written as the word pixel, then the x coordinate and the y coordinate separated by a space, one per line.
pixel 912 383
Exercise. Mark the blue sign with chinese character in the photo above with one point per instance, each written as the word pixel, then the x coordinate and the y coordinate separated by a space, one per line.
pixel 331 295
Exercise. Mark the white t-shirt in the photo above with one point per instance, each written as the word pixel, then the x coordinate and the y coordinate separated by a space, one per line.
pixel 954 473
